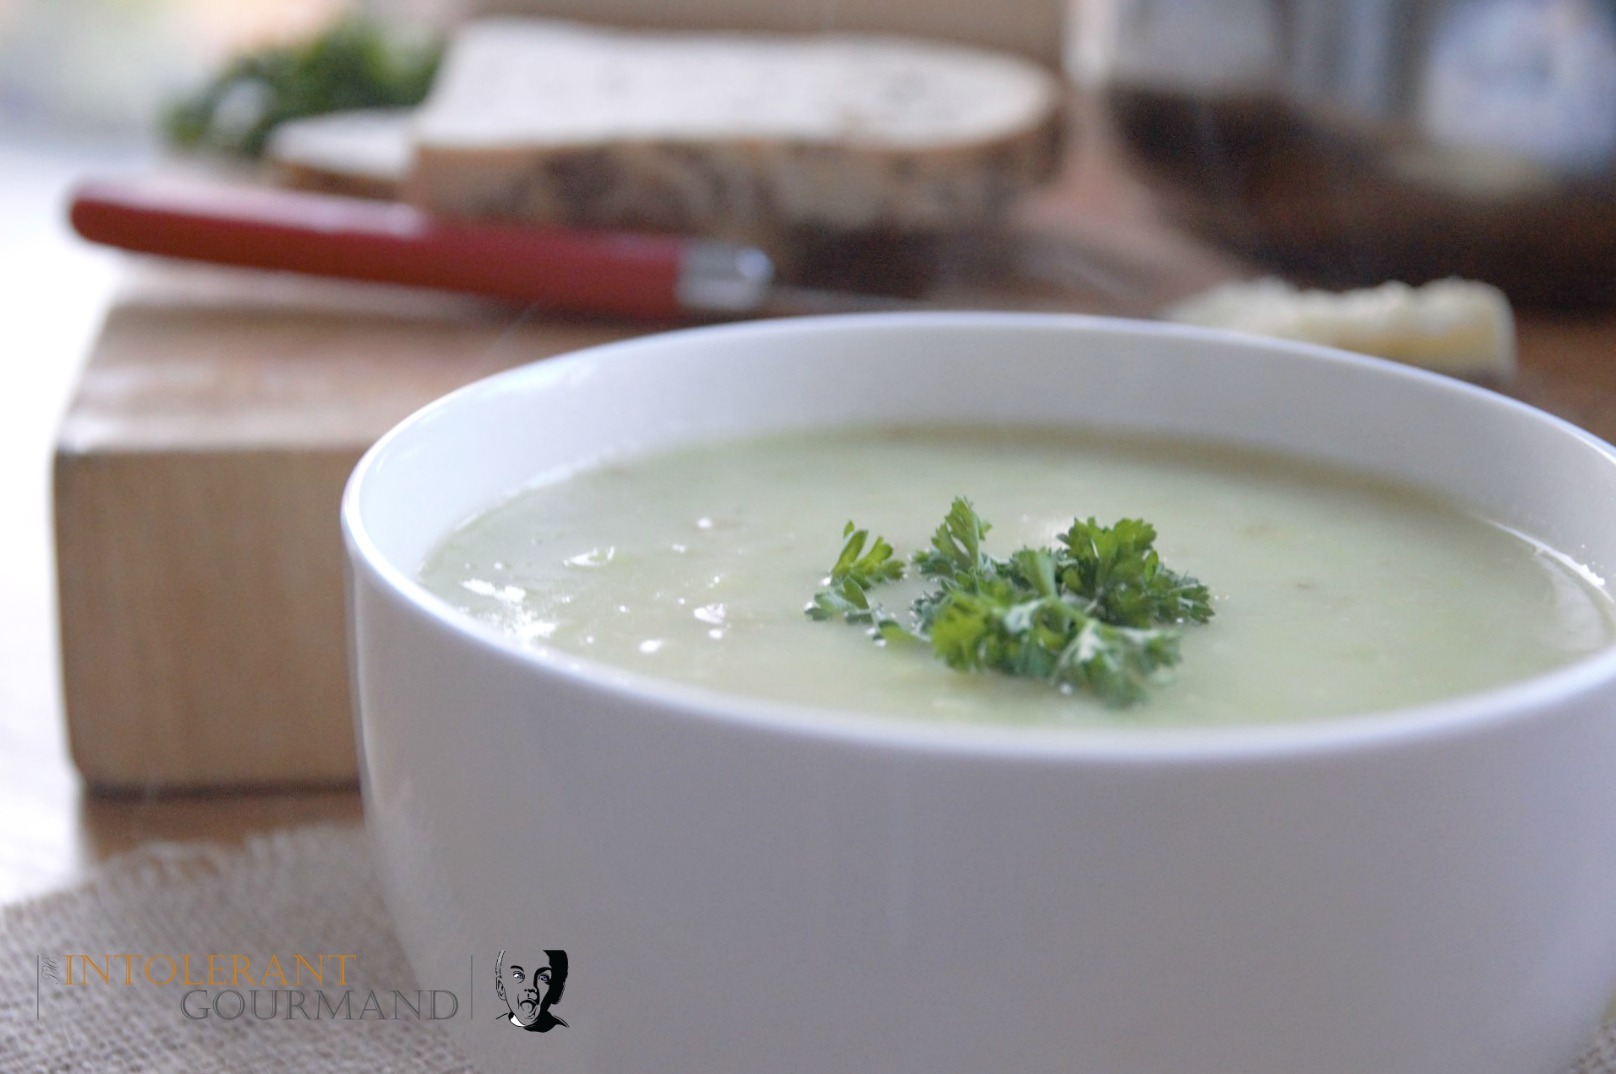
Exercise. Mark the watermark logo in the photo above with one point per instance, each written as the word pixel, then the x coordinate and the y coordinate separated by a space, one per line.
pixel 226 986
pixel 530 984
pixel 297 986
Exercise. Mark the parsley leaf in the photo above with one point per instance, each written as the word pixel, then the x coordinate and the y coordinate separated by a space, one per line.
pixel 1117 569
pixel 956 547
pixel 856 572
pixel 1096 613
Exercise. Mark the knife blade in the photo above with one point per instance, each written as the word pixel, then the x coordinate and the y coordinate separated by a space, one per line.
pixel 649 277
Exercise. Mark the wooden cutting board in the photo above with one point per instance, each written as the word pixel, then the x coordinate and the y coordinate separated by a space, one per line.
pixel 199 469
pixel 197 477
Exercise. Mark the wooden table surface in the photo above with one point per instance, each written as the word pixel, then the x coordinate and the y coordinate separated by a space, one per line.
pixel 52 831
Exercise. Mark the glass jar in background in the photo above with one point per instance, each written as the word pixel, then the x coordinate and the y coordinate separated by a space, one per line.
pixel 1350 142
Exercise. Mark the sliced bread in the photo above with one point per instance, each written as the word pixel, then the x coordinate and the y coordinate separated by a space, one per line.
pixel 363 153
pixel 566 123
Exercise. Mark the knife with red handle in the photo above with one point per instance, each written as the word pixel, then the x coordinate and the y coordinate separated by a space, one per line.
pixel 641 276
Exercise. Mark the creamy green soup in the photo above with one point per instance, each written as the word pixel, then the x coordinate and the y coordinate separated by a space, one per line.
pixel 1334 594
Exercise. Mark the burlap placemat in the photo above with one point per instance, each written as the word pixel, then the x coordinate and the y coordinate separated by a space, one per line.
pixel 82 972
pixel 306 893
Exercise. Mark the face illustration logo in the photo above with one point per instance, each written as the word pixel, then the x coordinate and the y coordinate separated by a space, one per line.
pixel 530 984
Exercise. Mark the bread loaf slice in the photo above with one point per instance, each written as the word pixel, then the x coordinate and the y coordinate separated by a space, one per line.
pixel 565 123
pixel 363 153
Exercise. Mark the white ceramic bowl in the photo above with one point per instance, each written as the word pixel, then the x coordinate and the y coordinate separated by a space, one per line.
pixel 748 887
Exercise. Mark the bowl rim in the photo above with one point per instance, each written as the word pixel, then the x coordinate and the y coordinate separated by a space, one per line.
pixel 1478 712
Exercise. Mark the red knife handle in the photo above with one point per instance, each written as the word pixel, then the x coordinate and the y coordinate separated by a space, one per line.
pixel 615 273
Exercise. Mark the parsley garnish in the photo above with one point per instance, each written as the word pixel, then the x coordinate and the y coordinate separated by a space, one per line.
pixel 856 572
pixel 1098 612
pixel 355 63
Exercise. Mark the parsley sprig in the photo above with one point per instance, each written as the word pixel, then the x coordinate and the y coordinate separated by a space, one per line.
pixel 856 572
pixel 356 62
pixel 1098 612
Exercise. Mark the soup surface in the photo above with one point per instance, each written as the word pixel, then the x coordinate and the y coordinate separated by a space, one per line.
pixel 1334 594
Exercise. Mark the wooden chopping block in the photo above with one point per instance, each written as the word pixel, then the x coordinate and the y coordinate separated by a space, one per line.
pixel 198 474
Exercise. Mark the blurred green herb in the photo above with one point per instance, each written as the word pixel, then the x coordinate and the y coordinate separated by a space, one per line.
pixel 1098 613
pixel 355 63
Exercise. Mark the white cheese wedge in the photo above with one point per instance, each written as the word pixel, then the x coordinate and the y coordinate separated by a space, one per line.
pixel 560 122
pixel 1459 327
